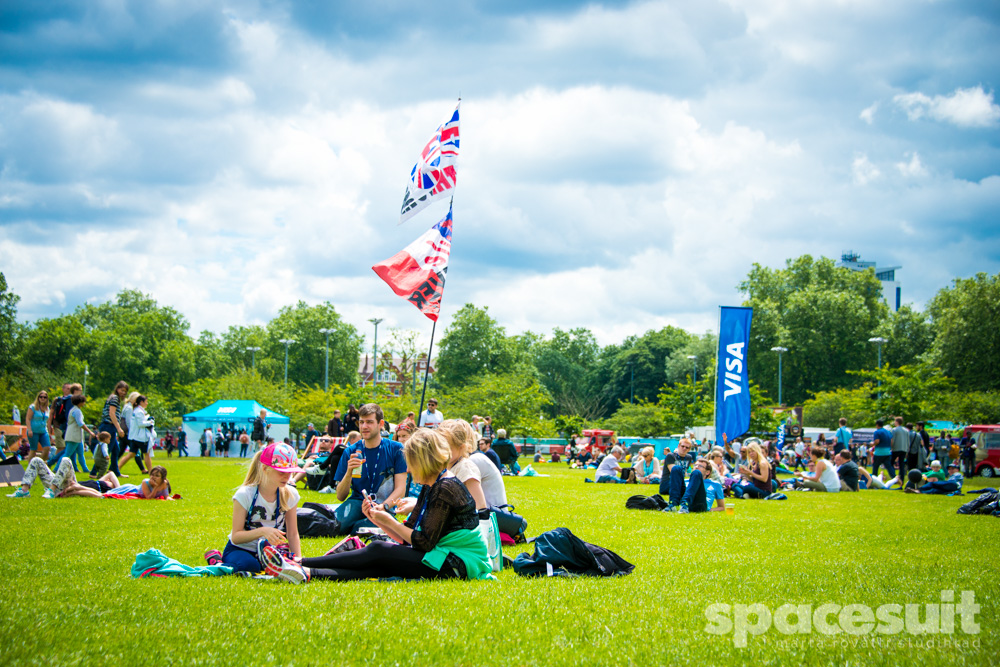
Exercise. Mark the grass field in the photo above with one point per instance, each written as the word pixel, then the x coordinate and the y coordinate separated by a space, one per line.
pixel 69 598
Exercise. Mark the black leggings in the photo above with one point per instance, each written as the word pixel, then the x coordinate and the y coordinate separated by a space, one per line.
pixel 378 559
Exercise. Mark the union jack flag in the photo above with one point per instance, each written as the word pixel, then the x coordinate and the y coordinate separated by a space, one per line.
pixel 434 173
pixel 418 271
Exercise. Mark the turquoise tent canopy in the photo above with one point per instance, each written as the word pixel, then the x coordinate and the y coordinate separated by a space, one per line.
pixel 238 412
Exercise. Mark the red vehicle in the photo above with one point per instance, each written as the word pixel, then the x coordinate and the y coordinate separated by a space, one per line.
pixel 987 437
pixel 600 437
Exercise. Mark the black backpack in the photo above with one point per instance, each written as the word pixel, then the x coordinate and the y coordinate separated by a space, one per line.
pixel 316 520
pixel 653 502
pixel 61 408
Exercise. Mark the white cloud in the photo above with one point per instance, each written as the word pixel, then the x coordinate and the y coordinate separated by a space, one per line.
pixel 868 113
pixel 912 168
pixel 864 171
pixel 966 107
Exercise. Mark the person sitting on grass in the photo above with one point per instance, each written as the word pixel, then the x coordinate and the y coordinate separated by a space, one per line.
pixel 264 509
pixel 758 476
pixel 701 494
pixel 381 471
pixel 824 476
pixel 54 483
pixel 951 485
pixel 847 470
pixel 647 467
pixel 506 451
pixel 718 468
pixel 608 470
pixel 439 540
pixel 460 437
pixel 676 464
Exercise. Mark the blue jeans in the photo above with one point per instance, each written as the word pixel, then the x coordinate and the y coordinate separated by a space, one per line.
pixel 349 517
pixel 611 479
pixel 672 484
pixel 240 560
pixel 39 439
pixel 694 496
pixel 74 451
pixel 939 487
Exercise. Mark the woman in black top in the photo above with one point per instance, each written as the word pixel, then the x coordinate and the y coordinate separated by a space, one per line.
pixel 443 506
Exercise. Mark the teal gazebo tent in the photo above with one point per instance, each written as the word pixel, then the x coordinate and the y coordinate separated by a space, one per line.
pixel 240 413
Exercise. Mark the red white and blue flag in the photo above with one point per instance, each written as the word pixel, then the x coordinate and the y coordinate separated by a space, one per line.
pixel 433 176
pixel 417 272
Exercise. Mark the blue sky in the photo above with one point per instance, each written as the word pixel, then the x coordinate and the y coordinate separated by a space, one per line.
pixel 623 164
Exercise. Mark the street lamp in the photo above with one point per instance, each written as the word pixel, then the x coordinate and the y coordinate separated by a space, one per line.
pixel 878 340
pixel 376 321
pixel 780 351
pixel 253 357
pixel 86 372
pixel 326 373
pixel 286 342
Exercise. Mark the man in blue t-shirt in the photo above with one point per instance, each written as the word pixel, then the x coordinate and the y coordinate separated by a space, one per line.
pixel 381 471
pixel 882 449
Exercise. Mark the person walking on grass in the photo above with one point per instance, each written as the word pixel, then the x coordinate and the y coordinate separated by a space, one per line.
pixel 882 449
pixel 900 448
pixel 842 439
pixel 38 417
pixel 112 425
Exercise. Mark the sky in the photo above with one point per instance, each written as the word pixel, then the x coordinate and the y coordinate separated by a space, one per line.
pixel 622 166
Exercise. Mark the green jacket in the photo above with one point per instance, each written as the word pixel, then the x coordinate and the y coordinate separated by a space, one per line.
pixel 468 545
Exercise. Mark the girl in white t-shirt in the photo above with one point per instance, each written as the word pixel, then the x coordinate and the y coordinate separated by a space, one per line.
pixel 461 439
pixel 264 513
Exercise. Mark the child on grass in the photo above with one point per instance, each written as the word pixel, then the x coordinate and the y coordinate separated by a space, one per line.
pixel 263 511
pixel 101 461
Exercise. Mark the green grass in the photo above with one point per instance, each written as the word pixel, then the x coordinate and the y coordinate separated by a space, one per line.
pixel 69 598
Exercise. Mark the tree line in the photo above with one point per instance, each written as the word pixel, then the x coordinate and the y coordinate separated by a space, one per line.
pixel 943 362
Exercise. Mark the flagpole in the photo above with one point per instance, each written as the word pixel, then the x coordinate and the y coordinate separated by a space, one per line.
pixel 423 392
pixel 715 392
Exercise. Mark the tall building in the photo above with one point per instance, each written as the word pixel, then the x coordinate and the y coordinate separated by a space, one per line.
pixel 892 293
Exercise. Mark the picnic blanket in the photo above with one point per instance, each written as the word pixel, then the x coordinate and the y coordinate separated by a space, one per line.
pixel 152 563
pixel 136 496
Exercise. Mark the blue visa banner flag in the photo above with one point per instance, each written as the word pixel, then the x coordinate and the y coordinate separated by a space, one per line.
pixel 732 389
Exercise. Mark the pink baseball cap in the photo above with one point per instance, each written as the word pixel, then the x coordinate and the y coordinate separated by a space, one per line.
pixel 281 457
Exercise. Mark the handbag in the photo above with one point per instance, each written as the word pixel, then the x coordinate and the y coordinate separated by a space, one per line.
pixel 508 522
pixel 491 536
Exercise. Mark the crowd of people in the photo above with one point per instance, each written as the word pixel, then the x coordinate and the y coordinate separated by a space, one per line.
pixel 444 475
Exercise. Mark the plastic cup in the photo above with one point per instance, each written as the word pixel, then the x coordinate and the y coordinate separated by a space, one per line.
pixel 731 509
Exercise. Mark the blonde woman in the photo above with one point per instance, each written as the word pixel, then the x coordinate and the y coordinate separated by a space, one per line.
pixel 718 469
pixel 461 439
pixel 439 540
pixel 647 467
pixel 758 475
pixel 37 417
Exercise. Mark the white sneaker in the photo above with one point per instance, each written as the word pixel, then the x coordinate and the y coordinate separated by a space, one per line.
pixel 49 493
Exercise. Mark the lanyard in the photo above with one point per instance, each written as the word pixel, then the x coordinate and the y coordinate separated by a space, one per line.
pixel 253 503
pixel 375 470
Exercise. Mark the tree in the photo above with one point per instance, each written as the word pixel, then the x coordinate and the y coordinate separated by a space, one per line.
pixel 909 337
pixel 515 401
pixel 405 345
pixel 9 327
pixel 643 358
pixel 823 315
pixel 687 405
pixel 706 348
pixel 643 419
pixel 565 364
pixel 826 408
pixel 967 338
pixel 473 346
pixel 307 356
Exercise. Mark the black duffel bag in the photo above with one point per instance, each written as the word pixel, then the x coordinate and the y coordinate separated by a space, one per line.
pixel 317 520
pixel 510 523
